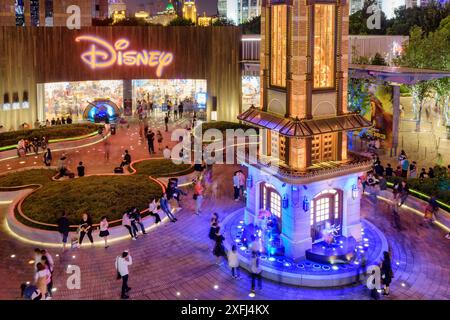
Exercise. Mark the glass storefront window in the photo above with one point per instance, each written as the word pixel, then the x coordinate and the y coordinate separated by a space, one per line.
pixel 278 45
pixel 324 45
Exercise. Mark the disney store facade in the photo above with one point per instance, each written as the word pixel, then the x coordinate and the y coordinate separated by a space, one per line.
pixel 50 72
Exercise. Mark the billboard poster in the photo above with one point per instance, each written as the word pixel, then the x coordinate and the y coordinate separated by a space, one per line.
pixel 380 113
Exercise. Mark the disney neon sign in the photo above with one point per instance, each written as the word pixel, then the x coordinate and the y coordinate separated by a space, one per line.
pixel 102 54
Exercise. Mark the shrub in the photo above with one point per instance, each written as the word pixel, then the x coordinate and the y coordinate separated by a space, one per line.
pixel 439 186
pixel 54 132
pixel 161 168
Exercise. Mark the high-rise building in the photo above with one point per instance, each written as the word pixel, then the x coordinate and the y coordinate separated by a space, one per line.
pixel 100 9
pixel 229 9
pixel 116 5
pixel 249 9
pixel 43 12
pixel 357 5
pixel 190 11
pixel 178 6
pixel 239 11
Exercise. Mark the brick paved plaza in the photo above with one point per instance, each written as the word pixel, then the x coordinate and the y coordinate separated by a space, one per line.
pixel 174 261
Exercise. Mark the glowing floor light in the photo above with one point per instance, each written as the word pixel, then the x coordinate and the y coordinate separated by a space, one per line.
pixel 216 287
pixel 335 268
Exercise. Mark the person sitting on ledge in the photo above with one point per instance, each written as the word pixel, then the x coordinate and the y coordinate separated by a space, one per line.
pixel 126 159
pixel 62 169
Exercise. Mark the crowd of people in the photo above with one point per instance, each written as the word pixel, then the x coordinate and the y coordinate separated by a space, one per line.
pixel 376 183
pixel 41 288
pixel 25 146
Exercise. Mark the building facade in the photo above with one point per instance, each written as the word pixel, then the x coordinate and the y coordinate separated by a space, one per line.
pixel 116 5
pixel 190 11
pixel 41 13
pixel 46 72
pixel 239 11
pixel 304 174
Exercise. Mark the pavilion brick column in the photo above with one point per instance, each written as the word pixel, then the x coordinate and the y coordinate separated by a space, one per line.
pixel 299 61
pixel 297 154
pixel 296 228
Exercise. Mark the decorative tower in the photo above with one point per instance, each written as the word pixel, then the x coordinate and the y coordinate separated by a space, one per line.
pixel 311 183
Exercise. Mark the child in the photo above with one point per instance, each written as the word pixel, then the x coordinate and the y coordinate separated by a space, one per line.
pixel 233 262
pixel 104 233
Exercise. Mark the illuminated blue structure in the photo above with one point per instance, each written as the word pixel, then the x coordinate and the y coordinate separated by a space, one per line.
pixel 102 111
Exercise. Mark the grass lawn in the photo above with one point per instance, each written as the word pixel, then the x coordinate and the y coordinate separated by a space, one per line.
pixel 21 178
pixel 98 195
pixel 54 132
pixel 161 168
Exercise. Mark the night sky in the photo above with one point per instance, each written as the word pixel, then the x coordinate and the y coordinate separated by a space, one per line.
pixel 210 6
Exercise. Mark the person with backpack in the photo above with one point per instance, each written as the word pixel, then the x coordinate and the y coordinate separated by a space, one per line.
pixel 122 264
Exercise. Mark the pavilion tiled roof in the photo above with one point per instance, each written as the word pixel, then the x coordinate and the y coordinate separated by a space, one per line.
pixel 304 128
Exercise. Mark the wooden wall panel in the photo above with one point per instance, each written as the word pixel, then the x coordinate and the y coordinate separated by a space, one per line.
pixel 40 55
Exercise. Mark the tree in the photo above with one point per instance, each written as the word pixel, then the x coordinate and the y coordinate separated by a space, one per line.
pixel 428 51
pixel 180 21
pixel 359 21
pixel 428 18
pixel 223 22
pixel 252 26
pixel 378 60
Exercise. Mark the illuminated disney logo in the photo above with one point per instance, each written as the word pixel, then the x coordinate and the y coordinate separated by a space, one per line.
pixel 102 54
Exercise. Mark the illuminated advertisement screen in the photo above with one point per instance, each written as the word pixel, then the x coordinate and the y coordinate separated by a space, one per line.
pixel 250 92
pixel 72 98
pixel 201 98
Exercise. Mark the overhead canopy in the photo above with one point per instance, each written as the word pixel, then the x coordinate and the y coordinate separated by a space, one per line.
pixel 305 128
pixel 401 75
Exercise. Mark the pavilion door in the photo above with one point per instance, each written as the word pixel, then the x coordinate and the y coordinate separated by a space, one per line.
pixel 326 208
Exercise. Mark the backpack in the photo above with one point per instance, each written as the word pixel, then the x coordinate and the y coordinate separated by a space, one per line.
pixel 31 292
